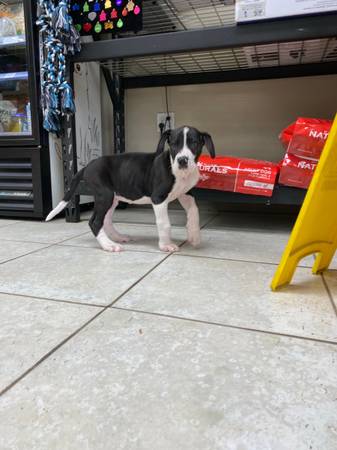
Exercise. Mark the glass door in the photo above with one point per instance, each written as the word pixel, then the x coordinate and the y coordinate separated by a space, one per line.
pixel 15 91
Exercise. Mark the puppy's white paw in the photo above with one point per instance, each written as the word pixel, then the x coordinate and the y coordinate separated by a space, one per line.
pixel 113 248
pixel 169 248
pixel 194 239
pixel 107 244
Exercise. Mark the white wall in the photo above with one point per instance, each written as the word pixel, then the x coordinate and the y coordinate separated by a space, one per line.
pixel 56 169
pixel 244 118
pixel 88 112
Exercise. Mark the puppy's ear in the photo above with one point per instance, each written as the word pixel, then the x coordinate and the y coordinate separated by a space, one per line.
pixel 209 144
pixel 161 144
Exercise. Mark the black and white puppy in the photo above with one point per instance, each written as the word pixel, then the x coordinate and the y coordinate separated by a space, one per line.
pixel 145 178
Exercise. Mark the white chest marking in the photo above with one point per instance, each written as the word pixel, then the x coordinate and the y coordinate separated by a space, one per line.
pixel 184 182
pixel 140 201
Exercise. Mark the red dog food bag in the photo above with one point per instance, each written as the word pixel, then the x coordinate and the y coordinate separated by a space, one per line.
pixel 297 171
pixel 218 173
pixel 247 176
pixel 256 177
pixel 309 137
pixel 287 134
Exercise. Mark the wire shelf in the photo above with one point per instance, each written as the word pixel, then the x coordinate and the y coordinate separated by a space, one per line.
pixel 162 16
pixel 277 54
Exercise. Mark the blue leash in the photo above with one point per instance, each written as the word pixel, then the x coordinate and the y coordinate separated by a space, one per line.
pixel 60 38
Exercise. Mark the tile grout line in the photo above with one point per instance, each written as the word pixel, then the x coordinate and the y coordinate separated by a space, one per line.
pixel 73 237
pixel 54 300
pixel 60 243
pixel 111 306
pixel 46 246
pixel 51 351
pixel 209 221
pixel 125 249
pixel 216 258
pixel 91 304
pixel 43 243
pixel 77 331
pixel 334 307
pixel 138 281
pixel 224 325
pixel 19 241
pixel 26 254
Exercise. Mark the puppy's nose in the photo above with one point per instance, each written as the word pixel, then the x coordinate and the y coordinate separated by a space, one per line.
pixel 182 162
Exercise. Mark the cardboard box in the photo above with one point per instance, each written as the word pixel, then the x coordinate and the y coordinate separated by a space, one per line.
pixel 297 171
pixel 253 10
pixel 247 176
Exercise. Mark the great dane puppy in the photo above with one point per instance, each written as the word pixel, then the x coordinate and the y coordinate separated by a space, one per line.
pixel 145 178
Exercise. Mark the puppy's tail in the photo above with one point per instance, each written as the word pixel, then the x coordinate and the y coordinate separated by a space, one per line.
pixel 60 207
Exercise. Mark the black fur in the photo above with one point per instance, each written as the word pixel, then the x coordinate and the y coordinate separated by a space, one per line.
pixel 73 185
pixel 136 175
pixel 139 175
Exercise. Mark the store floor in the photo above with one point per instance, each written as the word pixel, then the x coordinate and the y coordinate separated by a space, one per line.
pixel 143 350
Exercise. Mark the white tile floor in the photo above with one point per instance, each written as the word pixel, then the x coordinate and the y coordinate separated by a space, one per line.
pixel 142 351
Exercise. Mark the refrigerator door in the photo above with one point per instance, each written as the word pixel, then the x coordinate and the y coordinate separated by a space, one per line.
pixel 18 107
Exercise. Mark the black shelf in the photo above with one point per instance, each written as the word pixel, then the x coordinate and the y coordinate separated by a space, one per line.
pixel 287 30
pixel 219 54
pixel 282 195
pixel 174 49
pixel 261 73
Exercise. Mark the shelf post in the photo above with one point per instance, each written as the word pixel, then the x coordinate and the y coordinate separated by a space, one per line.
pixel 69 156
pixel 115 85
pixel 118 114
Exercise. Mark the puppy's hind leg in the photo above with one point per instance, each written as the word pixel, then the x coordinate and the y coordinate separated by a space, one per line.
pixel 103 203
pixel 108 225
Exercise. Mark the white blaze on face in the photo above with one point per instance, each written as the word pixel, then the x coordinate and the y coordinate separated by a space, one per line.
pixel 187 152
pixel 186 130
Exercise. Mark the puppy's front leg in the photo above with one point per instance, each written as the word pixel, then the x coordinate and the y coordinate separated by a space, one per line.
pixel 164 228
pixel 193 227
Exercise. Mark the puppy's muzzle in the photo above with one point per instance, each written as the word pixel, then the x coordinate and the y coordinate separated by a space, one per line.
pixel 182 162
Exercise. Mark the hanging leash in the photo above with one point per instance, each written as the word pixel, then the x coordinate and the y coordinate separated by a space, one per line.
pixel 60 39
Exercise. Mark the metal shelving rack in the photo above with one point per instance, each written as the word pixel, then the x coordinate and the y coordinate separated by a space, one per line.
pixel 202 44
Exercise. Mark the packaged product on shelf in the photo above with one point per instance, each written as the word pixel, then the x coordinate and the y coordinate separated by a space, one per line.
pixel 252 10
pixel 309 137
pixel 247 176
pixel 297 171
pixel 29 118
pixel 7 112
pixel 12 21
pixel 286 135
